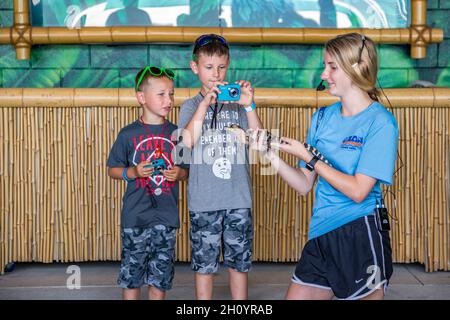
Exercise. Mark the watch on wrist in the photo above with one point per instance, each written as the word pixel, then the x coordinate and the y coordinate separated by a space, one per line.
pixel 310 165
pixel 251 107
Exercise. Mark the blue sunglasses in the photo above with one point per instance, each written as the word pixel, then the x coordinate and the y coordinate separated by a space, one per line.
pixel 208 38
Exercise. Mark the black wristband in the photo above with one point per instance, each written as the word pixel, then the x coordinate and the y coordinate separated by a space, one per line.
pixel 310 165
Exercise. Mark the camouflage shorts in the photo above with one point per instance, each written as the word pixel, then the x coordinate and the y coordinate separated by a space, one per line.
pixel 148 256
pixel 207 231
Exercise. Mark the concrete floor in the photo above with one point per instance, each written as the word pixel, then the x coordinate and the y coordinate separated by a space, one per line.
pixel 267 281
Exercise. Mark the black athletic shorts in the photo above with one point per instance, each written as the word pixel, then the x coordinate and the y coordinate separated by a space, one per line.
pixel 352 261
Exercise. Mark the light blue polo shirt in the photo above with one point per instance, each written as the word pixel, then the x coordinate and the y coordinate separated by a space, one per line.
pixel 365 143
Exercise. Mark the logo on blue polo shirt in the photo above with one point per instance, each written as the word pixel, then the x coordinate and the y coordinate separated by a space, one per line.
pixel 352 143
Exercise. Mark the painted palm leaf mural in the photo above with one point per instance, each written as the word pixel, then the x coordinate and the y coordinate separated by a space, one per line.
pixel 298 66
pixel 225 13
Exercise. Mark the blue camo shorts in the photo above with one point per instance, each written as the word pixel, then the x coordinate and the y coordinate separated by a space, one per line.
pixel 208 228
pixel 148 256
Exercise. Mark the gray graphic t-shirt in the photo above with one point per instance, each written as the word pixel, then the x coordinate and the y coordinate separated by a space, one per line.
pixel 219 176
pixel 134 144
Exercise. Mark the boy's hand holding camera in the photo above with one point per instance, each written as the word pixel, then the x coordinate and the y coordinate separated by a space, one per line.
pixel 211 96
pixel 241 93
pixel 142 170
pixel 247 93
pixel 175 174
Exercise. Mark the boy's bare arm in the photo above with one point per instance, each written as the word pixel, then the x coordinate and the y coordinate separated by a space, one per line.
pixel 116 173
pixel 193 130
pixel 246 100
pixel 253 120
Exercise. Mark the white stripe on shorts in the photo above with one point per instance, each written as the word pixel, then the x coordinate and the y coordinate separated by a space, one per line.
pixel 296 280
pixel 375 261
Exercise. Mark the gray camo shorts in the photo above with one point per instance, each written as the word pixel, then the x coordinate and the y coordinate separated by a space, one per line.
pixel 210 228
pixel 148 256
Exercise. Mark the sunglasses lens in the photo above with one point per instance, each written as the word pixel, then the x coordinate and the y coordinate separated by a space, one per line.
pixel 222 40
pixel 205 39
pixel 155 71
pixel 170 73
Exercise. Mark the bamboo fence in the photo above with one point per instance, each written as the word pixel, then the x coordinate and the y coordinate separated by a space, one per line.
pixel 57 203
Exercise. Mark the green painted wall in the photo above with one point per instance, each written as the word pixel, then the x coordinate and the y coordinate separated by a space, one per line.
pixel 287 66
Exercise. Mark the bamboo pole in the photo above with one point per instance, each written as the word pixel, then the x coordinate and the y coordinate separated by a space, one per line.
pixel 429 223
pixel 124 34
pixel 109 191
pixel 273 97
pixel 3 224
pixel 440 189
pixel 19 183
pixel 281 119
pixel 433 190
pixel 34 165
pixel 53 194
pixel 117 125
pixel 447 186
pixel 419 177
pixel 417 194
pixel 408 176
pixel 423 181
pixel 419 35
pixel 59 212
pixel 73 176
pixel 61 185
pixel 442 198
pixel 46 182
pixel 271 203
pixel 40 195
pixel 90 129
pixel 14 208
pixel 415 183
pixel 103 157
pixel 95 181
pixel 432 151
pixel 28 186
pixel 68 207
pixel 9 212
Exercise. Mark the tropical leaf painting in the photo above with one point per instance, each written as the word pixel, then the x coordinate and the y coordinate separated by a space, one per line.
pixel 309 77
pixel 93 78
pixel 266 13
pixel 444 78
pixel 203 13
pixel 225 13
pixel 8 58
pixel 396 68
pixel 41 78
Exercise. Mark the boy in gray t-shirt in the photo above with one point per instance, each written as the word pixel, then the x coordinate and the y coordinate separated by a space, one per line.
pixel 219 187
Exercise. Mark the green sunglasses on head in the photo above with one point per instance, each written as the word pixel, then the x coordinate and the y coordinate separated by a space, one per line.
pixel 155 71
